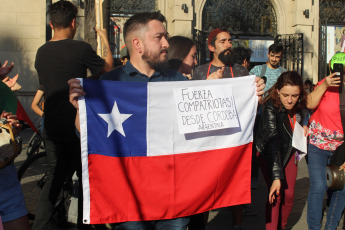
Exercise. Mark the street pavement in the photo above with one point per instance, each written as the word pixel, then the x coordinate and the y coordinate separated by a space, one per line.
pixel 221 219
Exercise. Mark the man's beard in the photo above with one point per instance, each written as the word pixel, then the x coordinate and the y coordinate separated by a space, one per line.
pixel 274 65
pixel 225 58
pixel 155 62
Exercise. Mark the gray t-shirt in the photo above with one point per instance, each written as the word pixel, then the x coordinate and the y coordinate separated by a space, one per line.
pixel 271 74
pixel 200 73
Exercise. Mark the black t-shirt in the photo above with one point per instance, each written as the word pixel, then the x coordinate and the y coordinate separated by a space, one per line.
pixel 41 87
pixel 56 63
pixel 200 73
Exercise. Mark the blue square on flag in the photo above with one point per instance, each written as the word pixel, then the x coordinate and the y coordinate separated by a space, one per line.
pixel 116 117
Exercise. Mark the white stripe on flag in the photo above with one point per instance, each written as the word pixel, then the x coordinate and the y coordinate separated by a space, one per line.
pixel 84 158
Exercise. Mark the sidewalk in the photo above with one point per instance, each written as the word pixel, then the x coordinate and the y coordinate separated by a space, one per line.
pixel 221 219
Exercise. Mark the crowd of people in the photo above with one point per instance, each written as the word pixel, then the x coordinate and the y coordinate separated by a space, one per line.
pixel 150 55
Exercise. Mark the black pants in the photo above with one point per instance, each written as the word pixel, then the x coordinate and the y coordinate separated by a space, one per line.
pixel 197 222
pixel 63 159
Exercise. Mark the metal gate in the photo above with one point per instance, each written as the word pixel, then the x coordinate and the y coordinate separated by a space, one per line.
pixel 200 38
pixel 293 57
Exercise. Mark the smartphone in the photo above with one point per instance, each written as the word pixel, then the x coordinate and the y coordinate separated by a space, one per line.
pixel 339 68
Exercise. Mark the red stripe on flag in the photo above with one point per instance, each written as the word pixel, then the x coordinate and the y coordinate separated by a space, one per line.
pixel 166 187
pixel 22 115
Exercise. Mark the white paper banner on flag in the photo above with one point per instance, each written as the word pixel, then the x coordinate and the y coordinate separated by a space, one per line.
pixel 205 108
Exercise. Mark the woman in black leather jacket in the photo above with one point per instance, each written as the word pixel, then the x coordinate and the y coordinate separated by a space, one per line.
pixel 284 105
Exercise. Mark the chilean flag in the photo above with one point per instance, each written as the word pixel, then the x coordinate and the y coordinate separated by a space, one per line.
pixel 138 165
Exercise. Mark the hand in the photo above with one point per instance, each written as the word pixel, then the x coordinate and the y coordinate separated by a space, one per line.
pixel 332 80
pixel 75 91
pixel 102 33
pixel 274 190
pixel 305 130
pixel 4 69
pixel 189 76
pixel 12 119
pixel 260 85
pixel 342 167
pixel 216 75
pixel 12 83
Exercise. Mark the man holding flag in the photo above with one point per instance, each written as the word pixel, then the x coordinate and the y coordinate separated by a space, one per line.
pixel 145 38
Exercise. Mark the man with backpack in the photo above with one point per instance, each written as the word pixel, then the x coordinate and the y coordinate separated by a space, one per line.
pixel 271 70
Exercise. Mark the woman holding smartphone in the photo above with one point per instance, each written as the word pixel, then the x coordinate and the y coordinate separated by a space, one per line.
pixel 326 137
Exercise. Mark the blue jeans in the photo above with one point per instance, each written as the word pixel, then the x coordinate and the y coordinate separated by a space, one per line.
pixel 172 224
pixel 335 210
pixel 317 162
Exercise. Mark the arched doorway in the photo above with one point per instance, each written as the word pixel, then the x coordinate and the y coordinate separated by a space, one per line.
pixel 251 23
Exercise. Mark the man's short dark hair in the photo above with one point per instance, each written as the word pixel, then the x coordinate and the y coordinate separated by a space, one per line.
pixel 239 54
pixel 141 19
pixel 276 48
pixel 62 14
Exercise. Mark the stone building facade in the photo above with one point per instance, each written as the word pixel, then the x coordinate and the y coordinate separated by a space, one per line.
pixel 24 28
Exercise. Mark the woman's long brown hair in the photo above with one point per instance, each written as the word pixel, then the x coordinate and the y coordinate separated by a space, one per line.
pixel 287 78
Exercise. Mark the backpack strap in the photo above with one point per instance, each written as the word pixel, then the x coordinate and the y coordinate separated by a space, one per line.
pixel 263 70
pixel 282 70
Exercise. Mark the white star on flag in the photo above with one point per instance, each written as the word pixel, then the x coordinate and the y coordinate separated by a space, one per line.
pixel 115 120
